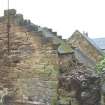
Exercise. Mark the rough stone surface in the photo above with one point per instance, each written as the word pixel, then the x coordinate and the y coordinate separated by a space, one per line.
pixel 78 84
pixel 37 59
pixel 11 12
pixel 86 46
pixel 30 70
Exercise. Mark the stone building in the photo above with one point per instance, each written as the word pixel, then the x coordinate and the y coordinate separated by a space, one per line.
pixel 37 57
pixel 29 71
pixel 86 50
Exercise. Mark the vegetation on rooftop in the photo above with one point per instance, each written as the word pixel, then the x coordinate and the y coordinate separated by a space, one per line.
pixel 100 67
pixel 65 48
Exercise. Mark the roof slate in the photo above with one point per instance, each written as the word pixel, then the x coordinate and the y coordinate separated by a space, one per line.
pixel 100 42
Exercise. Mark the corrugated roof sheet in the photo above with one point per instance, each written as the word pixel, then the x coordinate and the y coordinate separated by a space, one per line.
pixel 100 42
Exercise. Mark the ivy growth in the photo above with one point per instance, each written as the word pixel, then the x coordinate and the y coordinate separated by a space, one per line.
pixel 100 67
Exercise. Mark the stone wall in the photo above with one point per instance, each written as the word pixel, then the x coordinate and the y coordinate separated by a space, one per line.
pixel 30 70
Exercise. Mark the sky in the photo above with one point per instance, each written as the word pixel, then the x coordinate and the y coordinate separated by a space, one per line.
pixel 63 16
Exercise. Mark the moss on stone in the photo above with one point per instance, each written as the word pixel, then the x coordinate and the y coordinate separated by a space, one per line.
pixel 65 100
pixel 65 48
pixel 54 100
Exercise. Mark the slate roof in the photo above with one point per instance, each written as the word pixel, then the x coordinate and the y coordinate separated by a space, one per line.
pixel 100 42
pixel 96 46
pixel 83 58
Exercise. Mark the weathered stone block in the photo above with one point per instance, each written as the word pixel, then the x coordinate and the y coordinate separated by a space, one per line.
pixel 11 12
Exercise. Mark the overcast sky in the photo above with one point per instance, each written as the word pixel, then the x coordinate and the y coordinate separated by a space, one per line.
pixel 63 16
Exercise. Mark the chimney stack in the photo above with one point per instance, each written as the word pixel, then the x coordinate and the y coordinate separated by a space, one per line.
pixel 11 12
